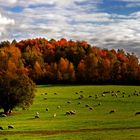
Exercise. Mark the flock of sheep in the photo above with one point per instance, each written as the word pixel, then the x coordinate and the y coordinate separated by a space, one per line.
pixel 9 127
pixel 81 96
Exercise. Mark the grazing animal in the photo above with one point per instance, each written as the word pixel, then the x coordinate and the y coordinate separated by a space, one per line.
pixel 47 109
pixel 37 115
pixel 46 93
pixel 112 111
pixel 54 115
pixel 55 93
pixel 79 103
pixel 118 91
pixel 76 92
pixel 68 102
pixel 10 127
pixel 103 95
pixel 45 98
pixel 81 91
pixel 81 97
pixel 70 112
pixel 3 115
pixel 137 113
pixel 58 106
pixel 96 96
pixel 136 94
pixel 67 113
pixel 1 128
pixel 86 105
pixel 116 95
pixel 90 108
pixel 90 96
pixel 128 95
pixel 99 103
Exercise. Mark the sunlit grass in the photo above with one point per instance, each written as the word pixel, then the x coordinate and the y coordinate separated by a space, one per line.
pixel 99 117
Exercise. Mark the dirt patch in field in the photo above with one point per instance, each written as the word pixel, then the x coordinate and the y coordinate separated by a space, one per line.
pixel 54 132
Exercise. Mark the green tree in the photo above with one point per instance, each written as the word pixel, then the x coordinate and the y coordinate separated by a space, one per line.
pixel 16 91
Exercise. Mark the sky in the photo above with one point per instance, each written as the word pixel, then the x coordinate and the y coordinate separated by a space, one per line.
pixel 102 23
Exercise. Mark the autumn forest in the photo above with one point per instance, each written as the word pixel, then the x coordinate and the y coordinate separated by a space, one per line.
pixel 66 61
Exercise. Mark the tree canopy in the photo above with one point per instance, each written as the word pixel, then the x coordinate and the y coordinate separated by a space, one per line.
pixel 16 88
pixel 66 61
pixel 16 91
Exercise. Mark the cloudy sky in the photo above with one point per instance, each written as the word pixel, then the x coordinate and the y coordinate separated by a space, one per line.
pixel 104 23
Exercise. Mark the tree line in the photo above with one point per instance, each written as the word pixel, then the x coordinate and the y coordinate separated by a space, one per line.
pixel 67 61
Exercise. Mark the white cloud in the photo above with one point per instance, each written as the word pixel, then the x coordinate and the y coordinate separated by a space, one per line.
pixel 5 21
pixel 94 17
pixel 56 2
pixel 11 1
pixel 73 20
pixel 8 2
pixel 26 3
pixel 130 0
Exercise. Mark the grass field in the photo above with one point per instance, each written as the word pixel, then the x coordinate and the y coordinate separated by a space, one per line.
pixel 93 122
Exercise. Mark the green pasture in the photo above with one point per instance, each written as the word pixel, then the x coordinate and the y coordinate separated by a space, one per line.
pixel 95 117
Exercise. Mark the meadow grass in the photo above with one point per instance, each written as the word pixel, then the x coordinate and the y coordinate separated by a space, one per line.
pixel 99 117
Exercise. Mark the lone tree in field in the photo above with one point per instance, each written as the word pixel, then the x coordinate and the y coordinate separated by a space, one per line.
pixel 16 91
pixel 16 88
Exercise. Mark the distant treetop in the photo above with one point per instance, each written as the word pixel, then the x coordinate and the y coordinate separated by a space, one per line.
pixel 67 61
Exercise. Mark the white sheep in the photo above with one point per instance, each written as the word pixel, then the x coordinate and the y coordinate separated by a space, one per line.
pixel 37 115
pixel 54 115
pixel 10 127
pixel 1 128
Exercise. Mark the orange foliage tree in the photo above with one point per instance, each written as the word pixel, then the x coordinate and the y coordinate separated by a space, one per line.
pixel 64 60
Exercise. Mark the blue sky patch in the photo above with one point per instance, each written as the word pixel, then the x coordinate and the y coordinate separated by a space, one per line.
pixel 41 5
pixel 16 9
pixel 117 7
